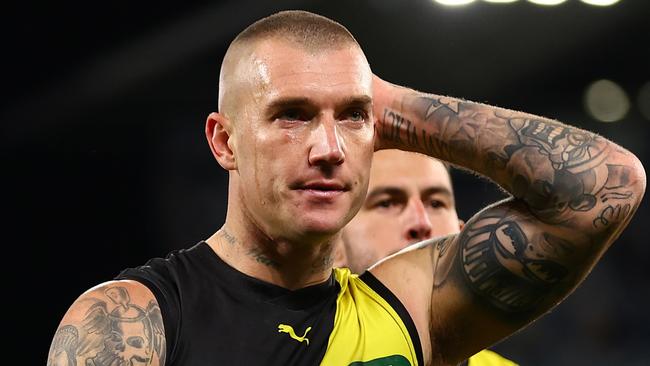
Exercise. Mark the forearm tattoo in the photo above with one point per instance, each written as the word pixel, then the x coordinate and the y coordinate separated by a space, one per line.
pixel 112 333
pixel 557 170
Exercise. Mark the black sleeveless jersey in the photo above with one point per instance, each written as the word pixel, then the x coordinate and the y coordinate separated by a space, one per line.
pixel 216 315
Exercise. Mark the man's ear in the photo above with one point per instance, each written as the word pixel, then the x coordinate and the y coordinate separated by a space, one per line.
pixel 218 132
pixel 461 224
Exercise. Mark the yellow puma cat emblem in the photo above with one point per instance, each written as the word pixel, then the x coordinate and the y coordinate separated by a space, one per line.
pixel 283 328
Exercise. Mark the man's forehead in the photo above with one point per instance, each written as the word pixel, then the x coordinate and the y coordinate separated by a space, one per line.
pixel 408 171
pixel 277 60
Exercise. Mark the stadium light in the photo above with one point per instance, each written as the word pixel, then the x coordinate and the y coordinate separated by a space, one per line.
pixel 600 2
pixel 606 101
pixel 454 2
pixel 547 2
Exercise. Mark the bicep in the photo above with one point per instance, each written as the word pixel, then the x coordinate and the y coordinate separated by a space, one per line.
pixel 111 323
pixel 504 269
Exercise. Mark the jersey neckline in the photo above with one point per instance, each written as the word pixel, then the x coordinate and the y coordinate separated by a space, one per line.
pixel 258 290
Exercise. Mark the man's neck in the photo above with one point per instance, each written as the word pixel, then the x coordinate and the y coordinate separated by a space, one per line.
pixel 285 263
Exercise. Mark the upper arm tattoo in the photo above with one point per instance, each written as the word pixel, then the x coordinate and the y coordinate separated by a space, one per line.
pixel 508 266
pixel 117 332
pixel 503 259
pixel 63 350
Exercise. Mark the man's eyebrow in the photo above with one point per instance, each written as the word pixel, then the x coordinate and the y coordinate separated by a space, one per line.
pixel 360 100
pixel 397 191
pixel 440 190
pixel 283 102
pixel 390 190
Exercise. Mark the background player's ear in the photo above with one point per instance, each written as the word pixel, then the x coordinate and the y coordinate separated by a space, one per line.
pixel 461 224
pixel 218 132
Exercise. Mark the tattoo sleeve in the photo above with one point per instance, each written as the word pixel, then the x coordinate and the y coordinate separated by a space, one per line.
pixel 572 191
pixel 113 330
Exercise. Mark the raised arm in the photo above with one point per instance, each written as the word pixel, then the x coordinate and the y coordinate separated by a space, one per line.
pixel 116 323
pixel 573 192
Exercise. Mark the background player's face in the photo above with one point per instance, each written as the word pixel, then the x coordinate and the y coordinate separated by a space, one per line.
pixel 304 138
pixel 409 199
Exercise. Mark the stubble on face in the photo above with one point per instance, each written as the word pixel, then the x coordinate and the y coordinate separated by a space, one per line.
pixel 269 157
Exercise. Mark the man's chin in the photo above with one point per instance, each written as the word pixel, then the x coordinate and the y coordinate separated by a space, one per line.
pixel 319 225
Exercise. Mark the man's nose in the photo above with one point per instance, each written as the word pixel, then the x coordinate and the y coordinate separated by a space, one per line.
pixel 327 146
pixel 418 225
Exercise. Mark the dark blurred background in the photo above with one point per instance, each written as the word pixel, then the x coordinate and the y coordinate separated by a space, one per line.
pixel 105 162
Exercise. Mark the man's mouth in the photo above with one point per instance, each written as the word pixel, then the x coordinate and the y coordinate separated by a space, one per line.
pixel 324 186
pixel 323 189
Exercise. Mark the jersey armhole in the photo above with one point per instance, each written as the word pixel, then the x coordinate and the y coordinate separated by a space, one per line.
pixel 383 291
pixel 170 320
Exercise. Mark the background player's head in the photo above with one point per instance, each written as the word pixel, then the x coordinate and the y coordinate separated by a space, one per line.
pixel 410 199
pixel 294 126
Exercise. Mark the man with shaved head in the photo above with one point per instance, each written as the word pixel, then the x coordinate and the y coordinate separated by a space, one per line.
pixel 300 115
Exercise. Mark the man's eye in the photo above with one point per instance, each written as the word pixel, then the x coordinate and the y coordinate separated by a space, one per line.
pixel 291 115
pixel 437 204
pixel 357 116
pixel 385 204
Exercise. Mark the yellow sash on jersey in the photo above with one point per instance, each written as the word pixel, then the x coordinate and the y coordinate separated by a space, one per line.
pixel 489 358
pixel 367 330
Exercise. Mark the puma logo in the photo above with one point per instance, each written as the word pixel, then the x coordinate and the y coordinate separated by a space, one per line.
pixel 283 328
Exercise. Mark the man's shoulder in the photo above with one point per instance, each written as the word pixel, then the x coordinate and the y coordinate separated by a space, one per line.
pixel 103 313
pixel 104 297
pixel 176 260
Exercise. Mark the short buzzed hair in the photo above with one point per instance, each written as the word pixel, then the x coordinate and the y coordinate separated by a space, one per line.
pixel 312 32
pixel 309 30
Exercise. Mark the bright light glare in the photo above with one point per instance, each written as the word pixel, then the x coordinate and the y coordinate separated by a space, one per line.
pixel 547 2
pixel 600 2
pixel 454 2
pixel 606 101
pixel 500 1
